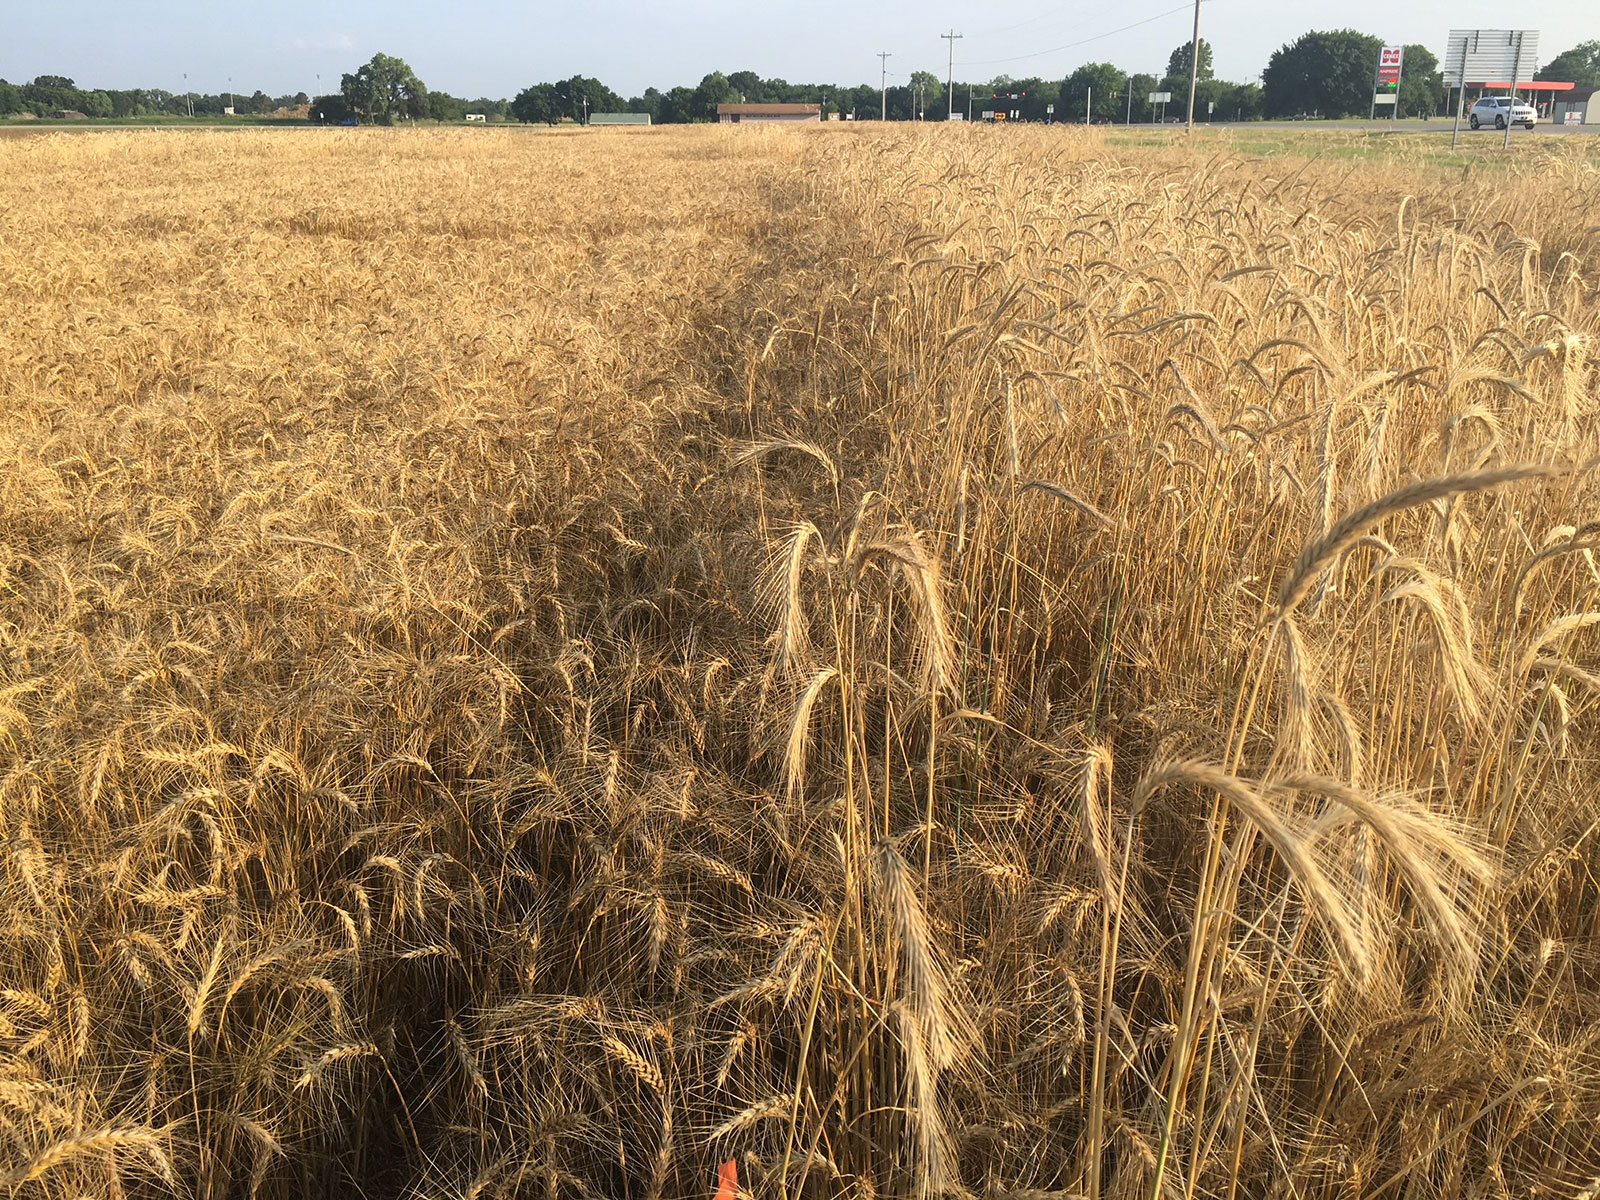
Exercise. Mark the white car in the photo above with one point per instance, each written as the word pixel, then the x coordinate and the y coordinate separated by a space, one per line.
pixel 1498 110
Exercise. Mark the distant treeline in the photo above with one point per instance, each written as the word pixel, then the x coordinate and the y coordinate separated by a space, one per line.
pixel 56 93
pixel 1326 73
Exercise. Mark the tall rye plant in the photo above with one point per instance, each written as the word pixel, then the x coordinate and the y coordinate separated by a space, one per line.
pixel 916 663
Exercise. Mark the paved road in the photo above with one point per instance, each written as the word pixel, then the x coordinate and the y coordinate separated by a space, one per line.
pixel 1437 125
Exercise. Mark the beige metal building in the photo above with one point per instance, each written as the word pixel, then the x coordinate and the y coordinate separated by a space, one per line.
pixel 735 114
pixel 1576 108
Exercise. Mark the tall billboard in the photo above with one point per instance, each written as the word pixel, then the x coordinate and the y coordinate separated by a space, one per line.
pixel 1488 56
pixel 1485 55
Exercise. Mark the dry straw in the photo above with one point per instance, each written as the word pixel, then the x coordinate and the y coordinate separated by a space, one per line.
pixel 534 664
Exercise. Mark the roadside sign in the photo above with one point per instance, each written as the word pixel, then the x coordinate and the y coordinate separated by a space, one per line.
pixel 1160 97
pixel 1211 107
pixel 1049 108
pixel 1389 61
pixel 1386 82
pixel 1479 55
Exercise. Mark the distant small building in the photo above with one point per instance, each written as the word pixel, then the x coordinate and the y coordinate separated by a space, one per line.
pixel 619 118
pixel 1577 110
pixel 476 117
pixel 69 114
pixel 735 114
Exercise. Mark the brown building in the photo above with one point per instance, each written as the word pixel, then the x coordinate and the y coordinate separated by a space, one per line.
pixel 736 114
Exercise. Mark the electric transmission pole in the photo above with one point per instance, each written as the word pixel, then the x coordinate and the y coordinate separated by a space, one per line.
pixel 883 81
pixel 1194 65
pixel 950 103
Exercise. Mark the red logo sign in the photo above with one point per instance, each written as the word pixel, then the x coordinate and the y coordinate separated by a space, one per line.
pixel 1389 64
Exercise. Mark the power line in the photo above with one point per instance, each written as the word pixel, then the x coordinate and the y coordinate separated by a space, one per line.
pixel 986 62
pixel 1019 25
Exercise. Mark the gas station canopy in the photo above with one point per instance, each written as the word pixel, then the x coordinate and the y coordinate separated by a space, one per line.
pixel 1541 85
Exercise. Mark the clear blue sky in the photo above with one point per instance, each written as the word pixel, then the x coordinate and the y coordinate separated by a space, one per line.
pixel 497 47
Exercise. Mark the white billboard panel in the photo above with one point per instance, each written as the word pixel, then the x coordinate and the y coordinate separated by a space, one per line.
pixel 1491 56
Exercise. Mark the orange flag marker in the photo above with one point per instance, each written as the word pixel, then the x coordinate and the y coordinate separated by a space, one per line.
pixel 728 1180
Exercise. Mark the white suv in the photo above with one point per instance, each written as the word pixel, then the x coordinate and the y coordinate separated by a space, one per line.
pixel 1498 110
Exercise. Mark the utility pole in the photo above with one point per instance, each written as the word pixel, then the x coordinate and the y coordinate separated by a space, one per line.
pixel 950 104
pixel 1129 121
pixel 1194 65
pixel 883 81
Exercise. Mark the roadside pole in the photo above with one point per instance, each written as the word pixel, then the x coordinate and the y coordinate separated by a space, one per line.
pixel 1461 93
pixel 1194 65
pixel 1088 103
pixel 1511 108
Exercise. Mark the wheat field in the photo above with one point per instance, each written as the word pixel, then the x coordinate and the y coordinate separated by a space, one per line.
pixel 920 661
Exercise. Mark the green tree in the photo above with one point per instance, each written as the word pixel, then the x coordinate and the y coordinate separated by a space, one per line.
pixel 1178 62
pixel 96 104
pixel 442 106
pixel 750 87
pixel 862 100
pixel 1103 82
pixel 536 105
pixel 1579 65
pixel 1324 72
pixel 649 103
pixel 384 89
pixel 47 93
pixel 1242 102
pixel 1210 99
pixel 580 95
pixel 325 110
pixel 714 89
pixel 127 104
pixel 10 98
pixel 1420 83
pixel 1141 109
pixel 1037 95
pixel 927 89
pixel 677 106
